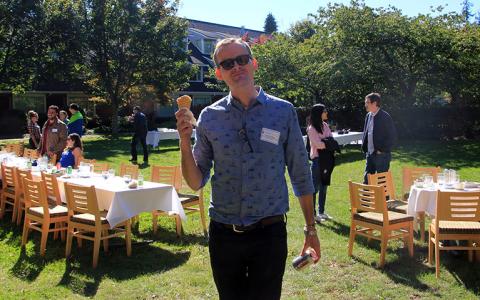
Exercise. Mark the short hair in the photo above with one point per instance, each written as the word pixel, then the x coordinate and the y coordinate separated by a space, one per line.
pixel 374 98
pixel 74 106
pixel 32 114
pixel 63 112
pixel 229 41
pixel 54 107
pixel 137 108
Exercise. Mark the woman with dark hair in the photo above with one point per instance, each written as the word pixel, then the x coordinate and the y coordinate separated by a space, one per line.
pixel 33 130
pixel 317 130
pixel 73 152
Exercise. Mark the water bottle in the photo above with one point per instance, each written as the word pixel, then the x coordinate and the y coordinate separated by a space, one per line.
pixel 140 180
pixel 29 164
pixel 69 170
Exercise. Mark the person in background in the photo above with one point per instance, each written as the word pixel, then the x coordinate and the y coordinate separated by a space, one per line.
pixel 54 134
pixel 33 130
pixel 63 116
pixel 248 138
pixel 317 131
pixel 75 124
pixel 73 153
pixel 140 135
pixel 379 136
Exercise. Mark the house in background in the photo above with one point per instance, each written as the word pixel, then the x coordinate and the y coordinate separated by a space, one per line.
pixel 201 41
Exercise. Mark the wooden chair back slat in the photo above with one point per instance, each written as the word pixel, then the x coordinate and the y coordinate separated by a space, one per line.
pixel 82 199
pixel 35 195
pixel 8 176
pixel 164 174
pixel 20 174
pixel 384 179
pixel 30 153
pixel 367 198
pixel 458 206
pixel 411 173
pixel 99 167
pixel 128 169
pixel 51 186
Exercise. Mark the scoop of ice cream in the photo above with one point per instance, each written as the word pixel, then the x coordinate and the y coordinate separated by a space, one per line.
pixel 184 102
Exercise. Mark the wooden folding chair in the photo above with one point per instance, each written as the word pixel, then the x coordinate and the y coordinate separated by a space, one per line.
pixel 39 215
pixel 192 201
pixel 385 179
pixel 412 173
pixel 88 161
pixel 99 167
pixel 128 169
pixel 30 153
pixel 370 218
pixel 10 192
pixel 457 218
pixel 16 148
pixel 85 216
pixel 166 175
pixel 19 175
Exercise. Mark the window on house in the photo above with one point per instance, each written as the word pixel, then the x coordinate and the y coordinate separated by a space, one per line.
pixel 202 100
pixel 198 76
pixel 208 46
pixel 28 102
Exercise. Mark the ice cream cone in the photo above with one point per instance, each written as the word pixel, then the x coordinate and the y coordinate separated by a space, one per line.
pixel 184 102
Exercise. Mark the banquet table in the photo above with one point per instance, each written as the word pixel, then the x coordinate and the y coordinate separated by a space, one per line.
pixel 155 136
pixel 424 199
pixel 122 202
pixel 344 139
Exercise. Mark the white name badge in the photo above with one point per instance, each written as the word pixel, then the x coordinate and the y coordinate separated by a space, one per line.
pixel 54 130
pixel 270 136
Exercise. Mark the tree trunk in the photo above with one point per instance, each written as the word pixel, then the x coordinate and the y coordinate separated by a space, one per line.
pixel 114 103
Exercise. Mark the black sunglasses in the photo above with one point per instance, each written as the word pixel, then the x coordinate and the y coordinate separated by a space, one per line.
pixel 241 60
pixel 247 147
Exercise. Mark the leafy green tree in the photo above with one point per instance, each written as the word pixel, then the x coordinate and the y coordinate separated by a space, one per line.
pixel 135 43
pixel 19 32
pixel 467 10
pixel 270 24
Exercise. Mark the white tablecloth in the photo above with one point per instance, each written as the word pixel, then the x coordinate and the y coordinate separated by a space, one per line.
pixel 122 202
pixel 425 199
pixel 344 139
pixel 154 137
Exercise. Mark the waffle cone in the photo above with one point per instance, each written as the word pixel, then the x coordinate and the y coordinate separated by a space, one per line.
pixel 184 102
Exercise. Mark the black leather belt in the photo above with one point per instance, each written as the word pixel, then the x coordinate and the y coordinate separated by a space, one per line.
pixel 260 224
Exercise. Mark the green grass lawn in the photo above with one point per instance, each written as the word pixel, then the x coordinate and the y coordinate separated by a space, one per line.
pixel 163 266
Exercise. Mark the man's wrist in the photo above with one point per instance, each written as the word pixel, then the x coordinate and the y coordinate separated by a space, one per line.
pixel 309 230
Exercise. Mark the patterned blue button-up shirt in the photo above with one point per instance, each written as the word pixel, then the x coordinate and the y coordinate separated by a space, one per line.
pixel 249 149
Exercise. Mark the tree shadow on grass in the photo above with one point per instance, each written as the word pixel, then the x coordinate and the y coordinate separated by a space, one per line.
pixel 451 154
pixel 169 237
pixel 464 272
pixel 29 263
pixel 10 233
pixel 82 279
pixel 107 147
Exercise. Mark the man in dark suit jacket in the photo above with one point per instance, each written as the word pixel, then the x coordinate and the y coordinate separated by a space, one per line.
pixel 140 134
pixel 379 137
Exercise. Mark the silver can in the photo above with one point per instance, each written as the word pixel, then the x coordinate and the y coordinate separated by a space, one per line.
pixel 302 261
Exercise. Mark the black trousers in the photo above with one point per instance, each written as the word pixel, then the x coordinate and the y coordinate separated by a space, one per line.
pixel 248 265
pixel 142 138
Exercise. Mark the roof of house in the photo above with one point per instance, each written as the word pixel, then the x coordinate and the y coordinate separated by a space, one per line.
pixel 219 29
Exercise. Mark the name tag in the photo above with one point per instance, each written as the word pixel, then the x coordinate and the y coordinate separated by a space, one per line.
pixel 54 130
pixel 270 136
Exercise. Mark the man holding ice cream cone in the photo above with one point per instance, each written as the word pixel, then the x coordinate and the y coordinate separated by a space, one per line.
pixel 248 137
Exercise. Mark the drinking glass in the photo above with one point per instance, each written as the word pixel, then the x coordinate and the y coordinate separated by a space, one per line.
pixel 105 174
pixel 127 178
pixel 111 173
pixel 428 180
pixel 441 179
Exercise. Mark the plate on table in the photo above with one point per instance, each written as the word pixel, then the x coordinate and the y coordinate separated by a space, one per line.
pixel 472 185
pixel 83 175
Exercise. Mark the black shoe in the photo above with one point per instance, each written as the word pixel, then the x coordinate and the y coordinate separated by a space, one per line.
pixel 145 163
pixel 134 161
